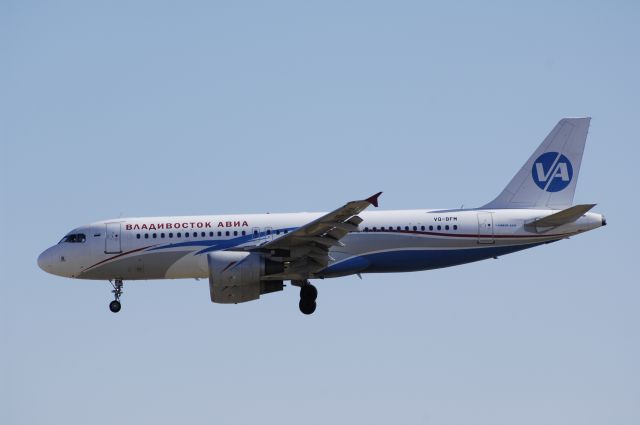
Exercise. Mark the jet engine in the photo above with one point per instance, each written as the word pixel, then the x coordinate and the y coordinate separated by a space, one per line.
pixel 237 277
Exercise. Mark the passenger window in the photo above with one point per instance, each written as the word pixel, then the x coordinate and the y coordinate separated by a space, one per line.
pixel 162 235
pixel 455 227
pixel 210 234
pixel 406 227
pixel 203 234
pixel 146 236
pixel 415 228
pixel 366 229
pixel 138 236
pixel 179 234
pixel 439 227
pixel 399 228
pixel 170 235
pixel 255 233
pixel 446 227
pixel 286 231
pixel 422 228
pixel 226 233
pixel 186 234
pixel 154 235
pixel 219 233
pixel 268 231
pixel 373 228
pixel 235 233
pixel 244 233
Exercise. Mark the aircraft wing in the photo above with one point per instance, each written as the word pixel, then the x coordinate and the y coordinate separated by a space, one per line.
pixel 306 249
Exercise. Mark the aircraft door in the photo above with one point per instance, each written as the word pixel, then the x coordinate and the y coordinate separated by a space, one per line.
pixel 113 239
pixel 485 228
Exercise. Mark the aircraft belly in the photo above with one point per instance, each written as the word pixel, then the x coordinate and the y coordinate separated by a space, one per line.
pixel 379 253
pixel 427 259
pixel 150 265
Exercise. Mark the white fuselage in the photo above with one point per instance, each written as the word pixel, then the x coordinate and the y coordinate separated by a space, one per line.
pixel 386 241
pixel 246 256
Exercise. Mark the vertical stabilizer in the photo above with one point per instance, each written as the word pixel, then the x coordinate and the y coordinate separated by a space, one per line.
pixel 548 179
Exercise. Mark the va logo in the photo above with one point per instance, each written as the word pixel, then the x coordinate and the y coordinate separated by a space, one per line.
pixel 552 171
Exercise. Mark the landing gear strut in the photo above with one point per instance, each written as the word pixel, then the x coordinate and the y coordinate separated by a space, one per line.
pixel 308 296
pixel 115 305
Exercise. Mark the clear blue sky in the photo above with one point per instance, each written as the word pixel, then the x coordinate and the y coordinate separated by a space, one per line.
pixel 165 108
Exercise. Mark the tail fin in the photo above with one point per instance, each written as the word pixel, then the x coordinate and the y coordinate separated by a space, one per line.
pixel 548 179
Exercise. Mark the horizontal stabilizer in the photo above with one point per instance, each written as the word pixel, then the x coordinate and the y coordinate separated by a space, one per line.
pixel 562 217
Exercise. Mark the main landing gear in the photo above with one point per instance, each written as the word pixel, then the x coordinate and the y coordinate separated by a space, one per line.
pixel 308 296
pixel 115 305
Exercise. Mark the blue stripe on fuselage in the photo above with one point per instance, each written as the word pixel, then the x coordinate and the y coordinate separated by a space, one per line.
pixel 221 244
pixel 416 259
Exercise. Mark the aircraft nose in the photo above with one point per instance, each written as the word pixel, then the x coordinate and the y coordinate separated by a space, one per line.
pixel 45 260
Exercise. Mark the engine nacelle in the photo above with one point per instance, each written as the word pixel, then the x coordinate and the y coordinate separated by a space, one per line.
pixel 236 277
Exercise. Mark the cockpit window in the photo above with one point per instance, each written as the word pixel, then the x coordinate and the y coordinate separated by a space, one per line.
pixel 74 238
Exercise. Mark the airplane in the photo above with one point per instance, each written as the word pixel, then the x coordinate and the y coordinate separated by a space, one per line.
pixel 245 256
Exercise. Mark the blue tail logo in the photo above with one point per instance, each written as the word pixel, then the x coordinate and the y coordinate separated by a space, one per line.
pixel 552 171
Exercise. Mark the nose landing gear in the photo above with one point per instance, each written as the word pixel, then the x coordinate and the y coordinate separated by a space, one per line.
pixel 115 305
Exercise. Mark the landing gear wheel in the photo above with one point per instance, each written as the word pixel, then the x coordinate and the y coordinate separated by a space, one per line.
pixel 307 307
pixel 308 296
pixel 308 292
pixel 115 306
